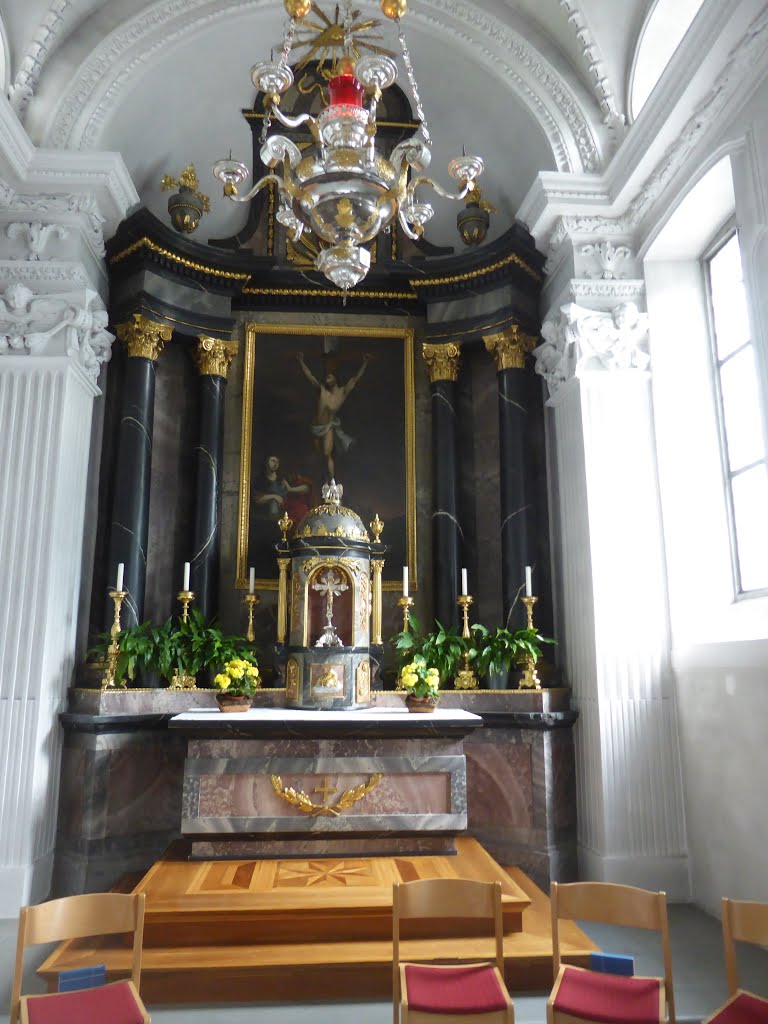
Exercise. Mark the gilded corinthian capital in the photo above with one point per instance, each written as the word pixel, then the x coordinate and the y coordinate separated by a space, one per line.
pixel 213 356
pixel 143 337
pixel 509 348
pixel 442 361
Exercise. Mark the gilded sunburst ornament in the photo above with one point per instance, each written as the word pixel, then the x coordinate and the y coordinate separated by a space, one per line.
pixel 323 38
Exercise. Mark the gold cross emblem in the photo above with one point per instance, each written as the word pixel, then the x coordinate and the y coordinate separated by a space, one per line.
pixel 326 789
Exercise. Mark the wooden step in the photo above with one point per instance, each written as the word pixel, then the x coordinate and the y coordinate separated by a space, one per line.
pixel 354 969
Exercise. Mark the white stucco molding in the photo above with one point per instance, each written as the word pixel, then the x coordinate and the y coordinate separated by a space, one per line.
pixel 69 323
pixel 97 185
pixel 613 117
pixel 681 116
pixel 609 334
pixel 571 121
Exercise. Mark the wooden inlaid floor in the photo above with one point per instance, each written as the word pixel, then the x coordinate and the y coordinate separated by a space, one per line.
pixel 250 931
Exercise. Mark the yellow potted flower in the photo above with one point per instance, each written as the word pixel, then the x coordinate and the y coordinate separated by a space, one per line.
pixel 421 683
pixel 236 683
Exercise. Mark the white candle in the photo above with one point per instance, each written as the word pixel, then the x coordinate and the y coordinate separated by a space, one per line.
pixel 464 590
pixel 251 580
pixel 528 586
pixel 120 575
pixel 405 581
pixel 186 576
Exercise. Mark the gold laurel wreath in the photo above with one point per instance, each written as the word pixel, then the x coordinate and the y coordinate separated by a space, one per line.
pixel 298 798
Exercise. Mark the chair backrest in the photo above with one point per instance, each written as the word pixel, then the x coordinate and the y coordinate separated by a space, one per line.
pixel 77 917
pixel 607 903
pixel 743 921
pixel 446 898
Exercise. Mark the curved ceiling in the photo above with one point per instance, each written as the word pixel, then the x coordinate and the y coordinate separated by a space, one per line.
pixel 530 85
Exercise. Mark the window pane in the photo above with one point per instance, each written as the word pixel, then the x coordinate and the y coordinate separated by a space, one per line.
pixel 750 506
pixel 729 301
pixel 741 409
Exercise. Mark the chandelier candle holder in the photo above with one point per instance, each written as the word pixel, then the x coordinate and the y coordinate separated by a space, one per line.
pixel 465 677
pixel 530 679
pixel 340 187
pixel 113 651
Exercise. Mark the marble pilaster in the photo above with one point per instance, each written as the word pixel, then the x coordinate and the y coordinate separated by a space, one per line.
pixel 509 349
pixel 442 363
pixel 129 532
pixel 213 358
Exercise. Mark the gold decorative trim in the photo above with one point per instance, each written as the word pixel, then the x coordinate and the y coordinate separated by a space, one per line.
pixel 509 348
pixel 333 292
pixel 213 356
pixel 442 361
pixel 471 275
pixel 292 680
pixel 143 338
pixel 251 331
pixel 237 275
pixel 147 243
pixel 363 682
pixel 298 798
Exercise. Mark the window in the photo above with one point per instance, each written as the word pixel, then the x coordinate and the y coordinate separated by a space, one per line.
pixel 742 429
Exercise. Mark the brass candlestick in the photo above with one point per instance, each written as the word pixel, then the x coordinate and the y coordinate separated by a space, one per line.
pixel 530 680
pixel 251 600
pixel 185 598
pixel 465 677
pixel 113 651
pixel 406 603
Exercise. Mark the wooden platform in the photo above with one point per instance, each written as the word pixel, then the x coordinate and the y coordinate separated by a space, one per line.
pixel 295 930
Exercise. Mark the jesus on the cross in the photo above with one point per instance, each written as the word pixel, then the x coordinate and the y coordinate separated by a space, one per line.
pixel 332 585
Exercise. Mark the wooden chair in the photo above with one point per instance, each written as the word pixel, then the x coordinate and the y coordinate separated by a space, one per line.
pixel 743 921
pixel 433 993
pixel 583 995
pixel 76 917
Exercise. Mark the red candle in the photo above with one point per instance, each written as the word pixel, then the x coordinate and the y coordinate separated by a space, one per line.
pixel 345 89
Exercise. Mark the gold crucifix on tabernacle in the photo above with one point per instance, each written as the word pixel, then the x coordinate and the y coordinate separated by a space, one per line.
pixel 326 789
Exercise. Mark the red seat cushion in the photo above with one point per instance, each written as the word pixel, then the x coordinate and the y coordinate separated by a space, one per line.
pixel 608 998
pixel 114 1004
pixel 744 1008
pixel 472 989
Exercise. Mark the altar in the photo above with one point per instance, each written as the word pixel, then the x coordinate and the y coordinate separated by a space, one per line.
pixel 277 782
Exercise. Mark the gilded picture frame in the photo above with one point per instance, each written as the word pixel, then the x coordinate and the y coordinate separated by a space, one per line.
pixel 367 374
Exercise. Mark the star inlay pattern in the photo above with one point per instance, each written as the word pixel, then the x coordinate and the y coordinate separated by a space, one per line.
pixel 305 873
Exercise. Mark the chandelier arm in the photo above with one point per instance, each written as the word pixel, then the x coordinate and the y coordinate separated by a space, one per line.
pixel 260 184
pixel 423 180
pixel 291 122
pixel 415 236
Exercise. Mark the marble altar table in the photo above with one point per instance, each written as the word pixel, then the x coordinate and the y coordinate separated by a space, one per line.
pixel 276 782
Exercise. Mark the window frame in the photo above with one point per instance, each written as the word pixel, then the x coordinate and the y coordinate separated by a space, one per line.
pixel 721 238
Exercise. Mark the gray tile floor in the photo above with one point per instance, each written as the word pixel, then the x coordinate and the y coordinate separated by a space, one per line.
pixel 696 957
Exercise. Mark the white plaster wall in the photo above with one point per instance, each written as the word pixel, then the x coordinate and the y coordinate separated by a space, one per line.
pixel 720 645
pixel 723 697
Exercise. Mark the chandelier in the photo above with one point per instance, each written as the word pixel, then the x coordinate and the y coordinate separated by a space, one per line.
pixel 339 187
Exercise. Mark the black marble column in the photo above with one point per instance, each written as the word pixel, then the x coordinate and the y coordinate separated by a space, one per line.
pixel 213 358
pixel 443 369
pixel 509 349
pixel 129 527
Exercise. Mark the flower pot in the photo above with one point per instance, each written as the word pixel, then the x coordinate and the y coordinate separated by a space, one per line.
pixel 422 704
pixel 233 701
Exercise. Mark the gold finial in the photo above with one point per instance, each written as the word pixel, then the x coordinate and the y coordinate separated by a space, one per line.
pixel 285 524
pixel 376 526
pixel 187 179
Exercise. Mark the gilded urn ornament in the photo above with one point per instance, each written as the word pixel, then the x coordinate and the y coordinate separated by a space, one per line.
pixel 187 205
